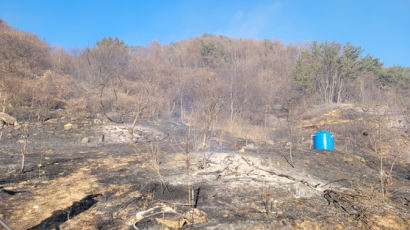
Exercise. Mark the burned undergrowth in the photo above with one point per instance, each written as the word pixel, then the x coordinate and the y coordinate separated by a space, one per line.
pixel 234 182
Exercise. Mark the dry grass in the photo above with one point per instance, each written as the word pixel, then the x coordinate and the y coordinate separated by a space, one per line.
pixel 45 197
pixel 389 222
pixel 50 196
pixel 243 129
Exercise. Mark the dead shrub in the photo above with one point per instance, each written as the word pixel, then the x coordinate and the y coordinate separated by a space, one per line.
pixel 77 106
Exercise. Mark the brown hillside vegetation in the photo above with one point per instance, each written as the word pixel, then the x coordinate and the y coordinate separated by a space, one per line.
pixel 244 80
pixel 209 132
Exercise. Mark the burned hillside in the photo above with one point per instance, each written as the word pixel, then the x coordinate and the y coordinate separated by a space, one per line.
pixel 205 133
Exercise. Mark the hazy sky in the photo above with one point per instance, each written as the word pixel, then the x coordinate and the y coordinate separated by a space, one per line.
pixel 382 28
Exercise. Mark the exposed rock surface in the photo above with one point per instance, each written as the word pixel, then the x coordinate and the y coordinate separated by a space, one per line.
pixel 8 119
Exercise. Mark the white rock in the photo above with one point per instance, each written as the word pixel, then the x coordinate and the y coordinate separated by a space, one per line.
pixel 68 126
pixel 85 140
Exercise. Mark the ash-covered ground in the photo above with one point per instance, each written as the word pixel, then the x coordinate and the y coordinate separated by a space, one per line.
pixel 96 175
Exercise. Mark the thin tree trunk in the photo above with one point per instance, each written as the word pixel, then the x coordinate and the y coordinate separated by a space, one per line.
pixel 188 163
pixel 381 175
pixel 290 146
pixel 265 117
pixel 362 90
pixel 4 103
pixel 4 99
pixel 181 108
pixel 231 102
pixel 335 83
pixel 289 121
pixel 339 91
pixel 23 156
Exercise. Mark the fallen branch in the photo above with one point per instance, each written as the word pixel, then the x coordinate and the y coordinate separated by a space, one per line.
pixel 287 160
pixel 174 203
pixel 331 182
pixel 5 225
pixel 277 174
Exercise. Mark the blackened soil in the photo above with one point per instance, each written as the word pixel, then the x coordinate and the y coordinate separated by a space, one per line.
pixel 132 178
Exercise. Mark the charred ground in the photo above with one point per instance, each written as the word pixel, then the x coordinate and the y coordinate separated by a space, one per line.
pixel 233 182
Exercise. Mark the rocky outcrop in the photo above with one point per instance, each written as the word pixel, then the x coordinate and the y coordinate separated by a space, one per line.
pixel 8 119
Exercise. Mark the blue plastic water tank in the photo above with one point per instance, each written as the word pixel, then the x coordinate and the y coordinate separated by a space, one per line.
pixel 323 140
